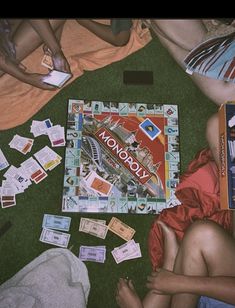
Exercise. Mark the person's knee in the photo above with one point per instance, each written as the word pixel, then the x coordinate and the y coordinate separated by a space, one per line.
pixel 212 126
pixel 212 135
pixel 202 231
pixel 122 39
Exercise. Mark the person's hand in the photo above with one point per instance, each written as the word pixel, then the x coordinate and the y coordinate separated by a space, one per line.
pixel 60 63
pixel 36 80
pixel 163 282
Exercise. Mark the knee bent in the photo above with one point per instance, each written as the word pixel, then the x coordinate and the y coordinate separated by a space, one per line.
pixel 202 230
pixel 122 39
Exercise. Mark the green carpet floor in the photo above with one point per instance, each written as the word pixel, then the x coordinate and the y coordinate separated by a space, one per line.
pixel 21 243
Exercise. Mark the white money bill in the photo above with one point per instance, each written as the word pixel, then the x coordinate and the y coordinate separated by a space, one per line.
pixel 93 227
pixel 54 237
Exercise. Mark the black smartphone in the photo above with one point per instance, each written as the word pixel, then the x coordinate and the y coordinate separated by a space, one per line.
pixel 138 77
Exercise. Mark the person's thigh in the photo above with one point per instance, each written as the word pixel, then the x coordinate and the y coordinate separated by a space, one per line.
pixel 186 33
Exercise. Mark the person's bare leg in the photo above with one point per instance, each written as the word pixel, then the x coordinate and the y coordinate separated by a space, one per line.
pixel 212 135
pixel 127 296
pixel 46 33
pixel 105 32
pixel 24 33
pixel 14 24
pixel 180 43
pixel 153 300
pixel 185 33
pixel 203 252
pixel 58 34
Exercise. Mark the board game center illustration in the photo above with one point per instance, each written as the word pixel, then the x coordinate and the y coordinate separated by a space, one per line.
pixel 120 157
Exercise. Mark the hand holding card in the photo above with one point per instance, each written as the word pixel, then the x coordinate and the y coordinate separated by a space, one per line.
pixel 57 78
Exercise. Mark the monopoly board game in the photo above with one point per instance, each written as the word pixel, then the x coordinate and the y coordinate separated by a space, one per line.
pixel 120 157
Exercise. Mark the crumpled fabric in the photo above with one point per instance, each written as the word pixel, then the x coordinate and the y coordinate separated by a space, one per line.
pixel 56 279
pixel 198 192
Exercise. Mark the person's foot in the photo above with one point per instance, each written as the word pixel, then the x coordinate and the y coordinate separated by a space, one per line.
pixel 171 246
pixel 126 295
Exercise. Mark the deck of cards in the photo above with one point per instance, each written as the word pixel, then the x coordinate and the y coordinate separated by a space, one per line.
pixel 55 133
pixel 150 129
pixel 21 144
pixel 57 78
pixel 31 170
pixel 3 161
pixel 39 128
pixel 48 158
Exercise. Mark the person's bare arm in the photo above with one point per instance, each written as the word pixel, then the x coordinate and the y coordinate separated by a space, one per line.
pixel 45 31
pixel 105 32
pixel 219 287
pixel 14 70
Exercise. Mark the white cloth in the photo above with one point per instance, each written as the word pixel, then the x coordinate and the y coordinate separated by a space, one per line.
pixel 55 279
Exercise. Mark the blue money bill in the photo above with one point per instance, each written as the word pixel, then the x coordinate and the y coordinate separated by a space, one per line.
pixel 56 222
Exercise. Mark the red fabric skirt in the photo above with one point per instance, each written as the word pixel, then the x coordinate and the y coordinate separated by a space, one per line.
pixel 198 192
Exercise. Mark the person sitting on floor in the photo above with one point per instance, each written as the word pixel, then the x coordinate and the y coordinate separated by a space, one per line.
pixel 19 38
pixel 194 273
pixel 197 237
pixel 182 36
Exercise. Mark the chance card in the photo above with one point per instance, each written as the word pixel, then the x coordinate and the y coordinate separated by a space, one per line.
pixel 150 129
pixel 97 183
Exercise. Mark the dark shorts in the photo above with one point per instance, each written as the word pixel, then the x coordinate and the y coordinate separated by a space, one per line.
pixel 120 24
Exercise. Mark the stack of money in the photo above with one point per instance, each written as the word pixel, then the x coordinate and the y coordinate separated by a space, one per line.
pixel 92 253
pixel 94 227
pixel 127 251
pixel 50 225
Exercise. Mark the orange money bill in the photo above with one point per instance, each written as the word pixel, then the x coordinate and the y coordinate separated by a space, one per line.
pixel 121 229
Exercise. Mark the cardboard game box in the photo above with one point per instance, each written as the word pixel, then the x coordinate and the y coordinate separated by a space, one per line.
pixel 227 155
pixel 120 157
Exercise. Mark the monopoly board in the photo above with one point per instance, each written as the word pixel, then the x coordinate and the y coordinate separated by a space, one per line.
pixel 120 157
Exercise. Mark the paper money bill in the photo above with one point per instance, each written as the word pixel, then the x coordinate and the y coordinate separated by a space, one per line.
pixel 56 222
pixel 121 229
pixel 54 237
pixel 93 227
pixel 127 251
pixel 92 253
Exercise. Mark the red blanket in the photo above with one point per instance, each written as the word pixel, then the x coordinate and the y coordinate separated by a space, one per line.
pixel 198 192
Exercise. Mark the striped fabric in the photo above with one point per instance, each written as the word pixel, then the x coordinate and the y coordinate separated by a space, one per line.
pixel 214 58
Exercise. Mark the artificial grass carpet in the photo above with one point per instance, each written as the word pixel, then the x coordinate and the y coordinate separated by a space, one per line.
pixel 21 244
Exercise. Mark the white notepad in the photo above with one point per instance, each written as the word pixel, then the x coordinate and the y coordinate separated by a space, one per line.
pixel 57 78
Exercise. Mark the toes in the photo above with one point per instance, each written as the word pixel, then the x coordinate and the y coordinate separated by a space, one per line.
pixel 130 284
